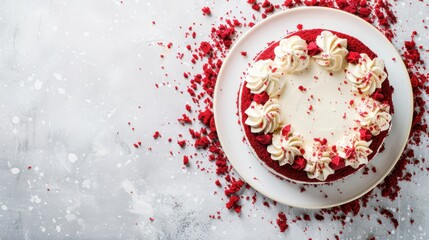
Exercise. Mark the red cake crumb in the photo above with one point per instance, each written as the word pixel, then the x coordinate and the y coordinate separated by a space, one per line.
pixel 156 135
pixel 202 142
pixel 261 98
pixel 319 217
pixel 302 89
pixel 206 48
pixel 181 143
pixel 185 119
pixel 313 49
pixel 281 222
pixel 217 182
pixel 234 187
pixel 206 10
pixel 232 201
pixel 185 160
pixel 353 57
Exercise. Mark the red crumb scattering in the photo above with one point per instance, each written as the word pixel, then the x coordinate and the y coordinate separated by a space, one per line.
pixel 156 135
pixel 302 89
pixel 237 209
pixel 319 217
pixel 206 11
pixel 232 201
pixel 306 217
pixel 243 53
pixel 282 222
pixel 389 215
pixel 182 143
pixel 202 142
pixel 206 117
pixel 299 26
pixel 185 119
pixel 234 187
pixel 217 182
pixel 206 48
pixel 188 107
pixel 185 160
pixel 256 7
pixel 151 219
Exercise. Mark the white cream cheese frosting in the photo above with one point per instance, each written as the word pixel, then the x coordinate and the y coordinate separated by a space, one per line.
pixel 284 149
pixel 367 75
pixel 264 75
pixel 264 118
pixel 291 54
pixel 334 51
pixel 374 116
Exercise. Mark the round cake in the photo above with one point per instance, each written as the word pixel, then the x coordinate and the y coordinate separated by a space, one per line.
pixel 316 106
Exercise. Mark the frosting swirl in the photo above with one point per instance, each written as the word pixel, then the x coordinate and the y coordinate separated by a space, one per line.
pixel 265 76
pixel 318 166
pixel 264 118
pixel 284 148
pixel 374 116
pixel 334 51
pixel 354 151
pixel 367 75
pixel 291 54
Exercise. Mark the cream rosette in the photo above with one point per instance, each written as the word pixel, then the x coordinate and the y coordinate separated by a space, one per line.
pixel 264 118
pixel 334 51
pixel 284 149
pixel 354 151
pixel 367 75
pixel 374 116
pixel 264 75
pixel 318 165
pixel 291 54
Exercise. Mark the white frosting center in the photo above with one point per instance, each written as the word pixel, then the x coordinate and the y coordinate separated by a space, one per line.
pixel 320 111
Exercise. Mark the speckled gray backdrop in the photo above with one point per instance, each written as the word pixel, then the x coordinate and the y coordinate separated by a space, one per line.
pixel 72 75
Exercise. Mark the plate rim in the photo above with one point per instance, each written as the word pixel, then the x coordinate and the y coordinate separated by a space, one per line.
pixel 254 28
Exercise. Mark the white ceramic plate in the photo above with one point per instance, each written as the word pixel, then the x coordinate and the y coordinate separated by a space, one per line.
pixel 231 137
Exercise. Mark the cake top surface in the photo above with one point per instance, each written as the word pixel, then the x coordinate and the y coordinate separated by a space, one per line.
pixel 319 104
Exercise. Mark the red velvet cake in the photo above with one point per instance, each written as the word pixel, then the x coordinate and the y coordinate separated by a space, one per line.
pixel 316 106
